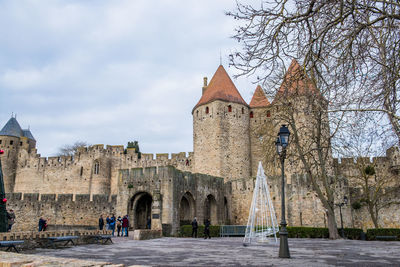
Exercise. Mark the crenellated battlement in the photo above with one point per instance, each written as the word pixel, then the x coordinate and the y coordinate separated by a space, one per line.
pixel 391 162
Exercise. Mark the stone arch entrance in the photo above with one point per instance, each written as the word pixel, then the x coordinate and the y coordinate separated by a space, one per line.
pixel 140 210
pixel 187 209
pixel 210 209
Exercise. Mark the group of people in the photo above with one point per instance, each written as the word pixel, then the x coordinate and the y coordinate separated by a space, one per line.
pixel 195 226
pixel 111 222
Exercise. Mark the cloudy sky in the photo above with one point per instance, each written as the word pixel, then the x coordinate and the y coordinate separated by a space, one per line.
pixel 109 72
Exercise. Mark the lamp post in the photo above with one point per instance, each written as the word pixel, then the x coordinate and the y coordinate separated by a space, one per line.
pixel 3 201
pixel 340 205
pixel 281 143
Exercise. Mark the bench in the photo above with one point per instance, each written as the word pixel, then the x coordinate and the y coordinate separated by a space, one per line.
pixel 386 237
pixel 11 244
pixel 102 238
pixel 51 241
pixel 232 230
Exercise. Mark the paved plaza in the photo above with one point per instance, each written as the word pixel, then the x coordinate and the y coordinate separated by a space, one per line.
pixel 231 252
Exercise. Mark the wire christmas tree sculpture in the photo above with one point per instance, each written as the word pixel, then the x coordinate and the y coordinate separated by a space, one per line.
pixel 262 219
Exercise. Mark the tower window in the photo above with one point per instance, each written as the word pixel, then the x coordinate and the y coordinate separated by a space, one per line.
pixel 96 168
pixel 251 114
pixel 268 113
pixel 207 110
pixel 229 108
pixel 197 113
pixel 242 110
pixel 81 171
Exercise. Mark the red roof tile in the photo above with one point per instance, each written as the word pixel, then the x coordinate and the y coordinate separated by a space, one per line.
pixel 259 99
pixel 222 88
pixel 296 82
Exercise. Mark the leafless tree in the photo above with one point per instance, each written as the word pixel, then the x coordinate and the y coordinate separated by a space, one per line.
pixel 350 49
pixel 70 150
pixel 377 183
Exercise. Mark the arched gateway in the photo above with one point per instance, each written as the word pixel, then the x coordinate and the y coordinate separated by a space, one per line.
pixel 187 209
pixel 140 210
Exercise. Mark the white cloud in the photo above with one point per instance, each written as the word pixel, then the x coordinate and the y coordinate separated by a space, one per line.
pixel 110 71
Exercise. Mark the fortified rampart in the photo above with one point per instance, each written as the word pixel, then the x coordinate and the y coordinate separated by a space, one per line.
pixel 169 196
pixel 59 209
pixel 92 170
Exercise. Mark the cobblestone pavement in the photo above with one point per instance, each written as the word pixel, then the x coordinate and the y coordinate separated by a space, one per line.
pixel 231 252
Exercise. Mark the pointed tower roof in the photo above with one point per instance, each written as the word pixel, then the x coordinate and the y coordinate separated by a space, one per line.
pixel 296 82
pixel 222 88
pixel 12 128
pixel 259 99
pixel 28 134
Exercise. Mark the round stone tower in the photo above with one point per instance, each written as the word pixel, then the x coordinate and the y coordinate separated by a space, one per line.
pixel 221 140
pixel 12 139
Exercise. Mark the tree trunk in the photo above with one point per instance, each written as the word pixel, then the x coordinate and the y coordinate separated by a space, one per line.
pixel 333 231
pixel 374 215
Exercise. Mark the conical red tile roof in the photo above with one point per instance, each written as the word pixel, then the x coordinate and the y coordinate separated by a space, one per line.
pixel 222 88
pixel 259 99
pixel 296 82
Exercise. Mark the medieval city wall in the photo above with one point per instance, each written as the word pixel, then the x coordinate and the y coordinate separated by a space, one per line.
pixel 78 174
pixel 61 210
pixel 221 140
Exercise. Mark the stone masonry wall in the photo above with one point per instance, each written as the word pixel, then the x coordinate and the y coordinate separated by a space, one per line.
pixel 171 185
pixel 221 140
pixel 77 175
pixel 62 209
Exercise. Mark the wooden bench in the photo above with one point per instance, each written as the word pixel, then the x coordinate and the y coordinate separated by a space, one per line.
pixel 51 241
pixel 11 244
pixel 232 230
pixel 102 238
pixel 386 237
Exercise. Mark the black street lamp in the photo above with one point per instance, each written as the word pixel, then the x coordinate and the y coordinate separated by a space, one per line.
pixel 281 143
pixel 340 205
pixel 3 201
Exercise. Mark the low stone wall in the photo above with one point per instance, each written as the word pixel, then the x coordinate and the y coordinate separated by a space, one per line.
pixel 31 238
pixel 146 234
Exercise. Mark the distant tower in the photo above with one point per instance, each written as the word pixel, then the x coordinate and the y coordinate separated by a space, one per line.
pixel 221 139
pixel 12 140
pixel 260 124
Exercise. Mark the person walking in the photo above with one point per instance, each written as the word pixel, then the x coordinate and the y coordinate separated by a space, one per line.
pixel 125 225
pixel 11 219
pixel 119 225
pixel 42 224
pixel 195 226
pixel 207 229
pixel 148 223
pixel 112 224
pixel 108 223
pixel 101 222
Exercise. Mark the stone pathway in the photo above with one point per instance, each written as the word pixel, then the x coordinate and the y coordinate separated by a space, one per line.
pixel 231 252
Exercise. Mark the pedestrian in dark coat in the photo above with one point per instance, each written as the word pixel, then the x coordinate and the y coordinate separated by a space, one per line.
pixel 42 224
pixel 207 229
pixel 125 225
pixel 195 226
pixel 119 225
pixel 101 222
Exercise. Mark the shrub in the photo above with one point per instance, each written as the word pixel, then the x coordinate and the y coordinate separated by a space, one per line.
pixel 186 231
pixel 372 233
pixel 352 233
pixel 307 232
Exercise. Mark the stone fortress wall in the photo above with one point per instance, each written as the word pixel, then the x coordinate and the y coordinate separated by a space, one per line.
pixel 59 209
